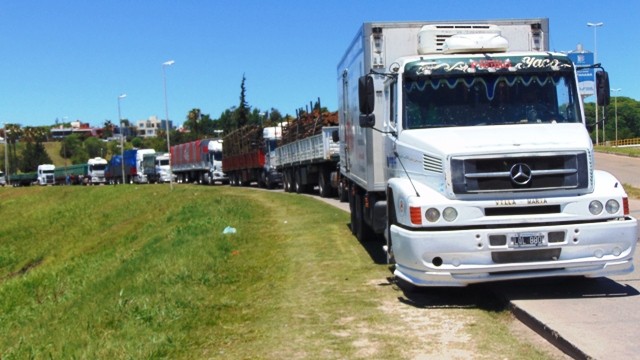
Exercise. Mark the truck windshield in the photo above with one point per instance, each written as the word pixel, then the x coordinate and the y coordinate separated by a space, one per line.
pixel 490 99
pixel 98 167
pixel 162 162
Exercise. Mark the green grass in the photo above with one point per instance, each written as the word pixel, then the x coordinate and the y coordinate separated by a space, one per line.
pixel 629 151
pixel 130 272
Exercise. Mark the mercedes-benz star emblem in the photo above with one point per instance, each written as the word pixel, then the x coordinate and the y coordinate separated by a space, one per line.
pixel 520 174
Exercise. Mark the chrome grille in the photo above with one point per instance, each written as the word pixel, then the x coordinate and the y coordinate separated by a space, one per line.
pixel 520 172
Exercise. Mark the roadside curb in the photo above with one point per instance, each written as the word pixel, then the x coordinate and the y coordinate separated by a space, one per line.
pixel 547 333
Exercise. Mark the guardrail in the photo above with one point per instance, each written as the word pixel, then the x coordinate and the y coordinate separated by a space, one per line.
pixel 622 142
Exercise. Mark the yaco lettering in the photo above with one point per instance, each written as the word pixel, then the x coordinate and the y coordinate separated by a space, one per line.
pixel 538 63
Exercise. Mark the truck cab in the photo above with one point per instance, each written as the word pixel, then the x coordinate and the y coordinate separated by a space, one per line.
pixel 163 168
pixel 96 170
pixel 472 161
pixel 45 174
pixel 216 172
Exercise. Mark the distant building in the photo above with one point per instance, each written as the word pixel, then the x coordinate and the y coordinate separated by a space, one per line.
pixel 77 127
pixel 150 127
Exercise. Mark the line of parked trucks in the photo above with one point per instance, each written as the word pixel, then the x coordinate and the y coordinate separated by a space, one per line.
pixel 461 146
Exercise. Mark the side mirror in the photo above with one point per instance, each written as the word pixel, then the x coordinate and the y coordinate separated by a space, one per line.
pixel 366 101
pixel 366 95
pixel 335 136
pixel 603 91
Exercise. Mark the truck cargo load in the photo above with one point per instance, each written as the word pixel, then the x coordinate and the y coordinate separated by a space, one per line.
pixel 245 156
pixel 309 153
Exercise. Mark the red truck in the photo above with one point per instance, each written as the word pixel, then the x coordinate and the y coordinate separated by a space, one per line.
pixel 246 156
pixel 198 161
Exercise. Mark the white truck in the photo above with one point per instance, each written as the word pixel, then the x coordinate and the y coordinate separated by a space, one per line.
pixel 464 149
pixel 140 177
pixel 45 174
pixel 156 168
pixel 308 162
pixel 95 171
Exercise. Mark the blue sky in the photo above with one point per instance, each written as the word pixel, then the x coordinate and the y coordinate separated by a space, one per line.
pixel 70 60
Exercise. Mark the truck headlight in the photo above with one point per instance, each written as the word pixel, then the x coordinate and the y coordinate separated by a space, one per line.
pixel 449 214
pixel 612 206
pixel 595 207
pixel 432 214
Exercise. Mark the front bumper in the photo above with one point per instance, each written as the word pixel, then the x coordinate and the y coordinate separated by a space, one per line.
pixel 463 257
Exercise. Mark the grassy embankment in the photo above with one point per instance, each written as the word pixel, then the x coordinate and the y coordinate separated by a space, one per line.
pixel 145 272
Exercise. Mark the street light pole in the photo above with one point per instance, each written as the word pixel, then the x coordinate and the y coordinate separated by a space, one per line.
pixel 166 124
pixel 615 102
pixel 595 61
pixel 122 96
pixel 6 156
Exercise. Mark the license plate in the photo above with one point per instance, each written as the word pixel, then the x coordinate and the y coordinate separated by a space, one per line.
pixel 527 240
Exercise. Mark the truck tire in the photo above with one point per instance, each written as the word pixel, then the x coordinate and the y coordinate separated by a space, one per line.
pixel 300 188
pixel 343 192
pixel 268 183
pixel 364 233
pixel 324 184
pixel 286 180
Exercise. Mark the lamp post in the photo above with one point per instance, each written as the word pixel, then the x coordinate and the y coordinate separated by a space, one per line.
pixel 6 156
pixel 615 102
pixel 122 96
pixel 166 124
pixel 595 61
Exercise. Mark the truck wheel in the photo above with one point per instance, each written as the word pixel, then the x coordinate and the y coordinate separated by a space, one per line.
pixel 364 232
pixel 324 184
pixel 300 188
pixel 262 181
pixel 290 181
pixel 268 183
pixel 343 193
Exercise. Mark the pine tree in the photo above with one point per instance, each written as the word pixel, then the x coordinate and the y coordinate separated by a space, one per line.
pixel 242 113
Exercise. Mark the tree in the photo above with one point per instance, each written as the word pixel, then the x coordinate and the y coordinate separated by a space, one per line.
pixel 158 143
pixel 226 121
pixel 34 152
pixel 14 132
pixel 33 155
pixel 193 122
pixel 95 147
pixel 70 145
pixel 242 112
pixel 107 131
pixel 628 119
